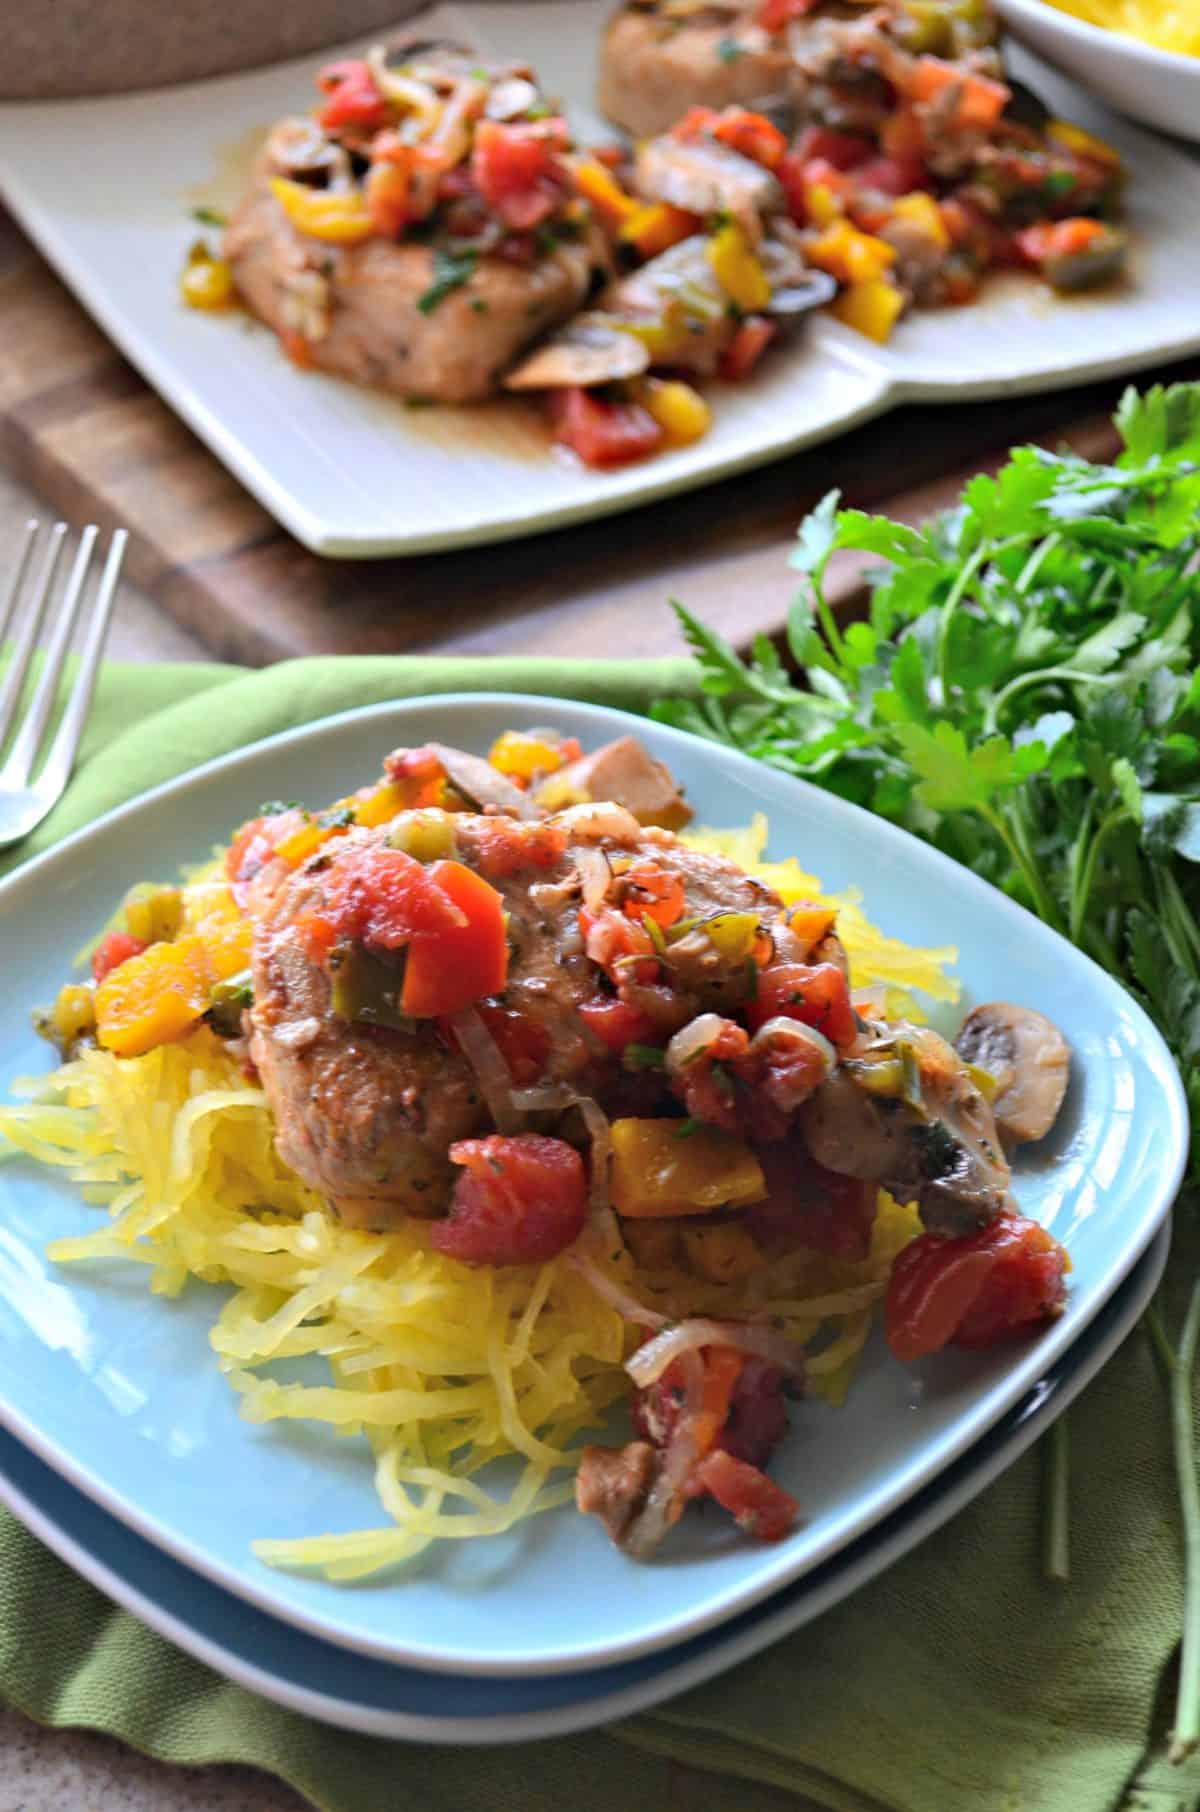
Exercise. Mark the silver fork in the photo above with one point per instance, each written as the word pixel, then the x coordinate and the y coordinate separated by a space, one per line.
pixel 26 796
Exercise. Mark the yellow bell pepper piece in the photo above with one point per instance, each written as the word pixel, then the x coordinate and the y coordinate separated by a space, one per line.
pixel 153 998
pixel 302 843
pixel 521 756
pixel 381 806
pixel 207 281
pixel 1082 143
pixel 679 410
pixel 339 217
pixel 656 1173
pixel 656 227
pixel 737 268
pixel 850 255
pixel 601 188
pixel 822 204
pixel 723 1253
pixel 923 212
pixel 154 914
pixel 871 308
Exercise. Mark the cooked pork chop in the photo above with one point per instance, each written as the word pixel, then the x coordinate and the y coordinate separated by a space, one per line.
pixel 356 309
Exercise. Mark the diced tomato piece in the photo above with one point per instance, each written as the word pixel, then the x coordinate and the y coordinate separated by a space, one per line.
pixel 759 1506
pixel 844 150
pixel 511 164
pixel 817 995
pixel 653 893
pixel 746 348
pixel 504 847
pixel 113 950
pixel 695 121
pixel 978 1290
pixel 451 968
pixel 776 15
pixel 521 1200
pixel 616 1023
pixel 384 897
pixel 354 100
pixel 1057 238
pixel 807 1205
pixel 524 1042
pixel 248 851
pixel 751 134
pixel 704 1085
pixel 602 433
pixel 893 175
pixel 611 941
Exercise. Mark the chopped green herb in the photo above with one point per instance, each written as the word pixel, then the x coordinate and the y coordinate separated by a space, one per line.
pixel 478 305
pixel 729 50
pixel 340 819
pixel 643 1057
pixel 1059 183
pixel 210 217
pixel 450 271
pixel 686 1128
pixel 273 807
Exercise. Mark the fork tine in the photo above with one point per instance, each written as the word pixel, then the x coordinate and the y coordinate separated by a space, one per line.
pixel 54 776
pixel 19 766
pixel 18 578
pixel 14 679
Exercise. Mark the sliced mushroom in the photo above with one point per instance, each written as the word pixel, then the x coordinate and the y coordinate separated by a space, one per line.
pixel 625 773
pixel 912 1119
pixel 613 1484
pixel 589 350
pixel 298 148
pixel 1101 258
pixel 705 178
pixel 800 295
pixel 482 785
pixel 1030 1060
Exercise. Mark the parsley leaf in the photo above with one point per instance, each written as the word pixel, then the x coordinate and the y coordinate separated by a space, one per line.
pixel 450 271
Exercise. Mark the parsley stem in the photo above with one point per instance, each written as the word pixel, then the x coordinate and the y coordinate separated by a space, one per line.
pixel 987 550
pixel 1185 1737
pixel 1038 677
pixel 1082 894
pixel 1029 571
pixel 1056 1457
pixel 1014 841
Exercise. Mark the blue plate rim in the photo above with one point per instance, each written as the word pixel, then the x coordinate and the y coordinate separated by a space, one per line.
pixel 722 1605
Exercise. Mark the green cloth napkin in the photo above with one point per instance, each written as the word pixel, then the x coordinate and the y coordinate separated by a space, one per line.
pixel 960 1681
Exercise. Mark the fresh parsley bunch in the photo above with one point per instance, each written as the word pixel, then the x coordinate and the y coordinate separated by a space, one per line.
pixel 1025 694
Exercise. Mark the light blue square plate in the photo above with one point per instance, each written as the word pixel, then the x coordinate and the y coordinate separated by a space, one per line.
pixel 387 1699
pixel 118 1391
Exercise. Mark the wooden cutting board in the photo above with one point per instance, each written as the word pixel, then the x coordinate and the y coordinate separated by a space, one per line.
pixel 84 430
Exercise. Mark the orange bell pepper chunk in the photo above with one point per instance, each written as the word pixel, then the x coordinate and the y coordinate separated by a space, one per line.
pixel 454 968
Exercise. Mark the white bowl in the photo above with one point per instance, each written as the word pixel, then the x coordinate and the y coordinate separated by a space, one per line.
pixel 1160 87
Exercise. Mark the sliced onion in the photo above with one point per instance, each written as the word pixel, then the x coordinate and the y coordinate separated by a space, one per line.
pixel 618 1298
pixel 650 1361
pixel 595 875
pixel 544 1098
pixel 403 90
pixel 781 1029
pixel 491 1072
pixel 665 1500
pixel 692 1040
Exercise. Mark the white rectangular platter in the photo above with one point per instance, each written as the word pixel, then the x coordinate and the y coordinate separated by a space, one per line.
pixel 105 186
